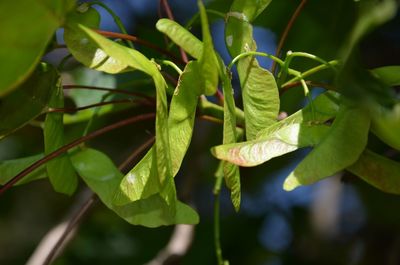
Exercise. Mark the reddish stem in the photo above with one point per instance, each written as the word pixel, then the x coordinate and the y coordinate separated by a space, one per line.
pixel 139 41
pixel 286 31
pixel 72 144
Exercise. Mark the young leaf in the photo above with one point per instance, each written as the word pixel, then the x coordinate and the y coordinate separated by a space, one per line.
pixel 377 170
pixel 10 168
pixel 100 174
pixel 27 27
pixel 141 181
pixel 181 37
pixel 60 171
pixel 34 93
pixel 259 89
pixel 338 149
pixel 385 124
pixel 282 141
pixel 208 60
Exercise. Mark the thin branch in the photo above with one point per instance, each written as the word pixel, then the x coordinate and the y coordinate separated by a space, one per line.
pixel 211 119
pixel 139 41
pixel 111 90
pixel 309 83
pixel 168 10
pixel 72 144
pixel 99 104
pixel 286 32
pixel 65 229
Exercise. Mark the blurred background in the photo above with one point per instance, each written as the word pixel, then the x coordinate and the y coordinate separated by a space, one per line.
pixel 340 220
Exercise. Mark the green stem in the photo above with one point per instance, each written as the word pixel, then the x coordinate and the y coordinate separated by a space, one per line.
pixel 254 53
pixel 173 65
pixel 95 114
pixel 311 71
pixel 217 233
pixel 116 18
pixel 197 15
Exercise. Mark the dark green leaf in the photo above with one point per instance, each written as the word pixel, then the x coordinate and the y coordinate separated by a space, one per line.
pixel 259 90
pixel 377 170
pixel 10 168
pixel 27 27
pixel 34 93
pixel 100 174
pixel 60 170
pixel 338 149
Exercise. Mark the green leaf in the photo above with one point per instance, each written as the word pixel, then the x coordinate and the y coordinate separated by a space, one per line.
pixel 231 171
pixel 282 141
pixel 27 28
pixel 390 75
pixel 10 168
pixel 181 37
pixel 208 60
pixel 259 89
pixel 386 124
pixel 142 181
pixel 118 55
pixel 60 170
pixel 100 174
pixel 340 148
pixel 34 93
pixel 377 170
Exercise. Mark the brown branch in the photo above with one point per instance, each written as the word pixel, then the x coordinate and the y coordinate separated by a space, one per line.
pixel 309 83
pixel 286 32
pixel 139 41
pixel 72 144
pixel 211 119
pixel 168 10
pixel 74 219
pixel 111 90
pixel 111 102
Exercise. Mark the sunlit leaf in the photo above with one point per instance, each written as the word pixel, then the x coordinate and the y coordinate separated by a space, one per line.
pixel 34 93
pixel 27 27
pixel 338 149
pixel 141 182
pixel 181 37
pixel 60 170
pixel 10 168
pixel 390 75
pixel 379 171
pixel 282 141
pixel 119 55
pixel 259 89
pixel 101 175
pixel 208 60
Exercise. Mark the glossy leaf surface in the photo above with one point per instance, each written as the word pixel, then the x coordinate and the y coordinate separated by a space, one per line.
pixel 338 149
pixel 27 27
pixel 34 93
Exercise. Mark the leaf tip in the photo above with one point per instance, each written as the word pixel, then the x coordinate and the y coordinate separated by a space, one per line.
pixel 291 183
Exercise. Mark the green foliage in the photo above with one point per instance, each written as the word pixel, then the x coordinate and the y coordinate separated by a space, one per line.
pixel 335 124
pixel 28 27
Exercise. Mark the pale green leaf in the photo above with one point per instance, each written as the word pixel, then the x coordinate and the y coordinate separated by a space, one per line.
pixel 141 182
pixel 34 93
pixel 259 89
pixel 60 170
pixel 379 171
pixel 10 168
pixel 338 149
pixel 181 37
pixel 27 27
